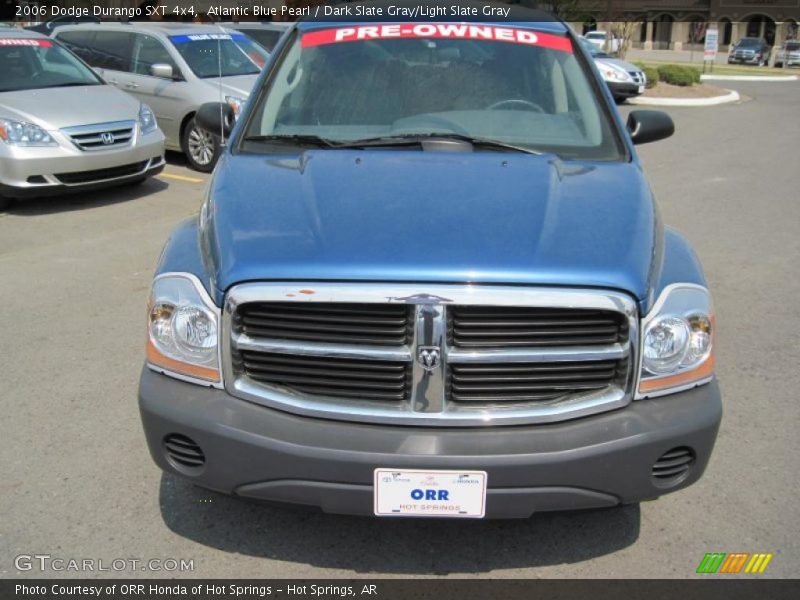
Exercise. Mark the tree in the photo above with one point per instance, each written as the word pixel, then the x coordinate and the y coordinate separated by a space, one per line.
pixel 624 31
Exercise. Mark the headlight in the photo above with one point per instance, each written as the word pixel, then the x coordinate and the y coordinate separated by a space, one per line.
pixel 19 133
pixel 612 74
pixel 677 341
pixel 183 328
pixel 236 103
pixel 147 120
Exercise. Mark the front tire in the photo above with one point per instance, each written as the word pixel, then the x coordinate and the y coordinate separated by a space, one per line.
pixel 201 147
pixel 4 203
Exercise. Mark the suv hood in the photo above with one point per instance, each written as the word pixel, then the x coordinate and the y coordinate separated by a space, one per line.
pixel 387 215
pixel 54 108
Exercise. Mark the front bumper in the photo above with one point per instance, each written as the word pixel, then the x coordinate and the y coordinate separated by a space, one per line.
pixel 598 461
pixel 47 171
pixel 746 60
pixel 624 89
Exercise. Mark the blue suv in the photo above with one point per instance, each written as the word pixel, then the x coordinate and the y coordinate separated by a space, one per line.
pixel 430 279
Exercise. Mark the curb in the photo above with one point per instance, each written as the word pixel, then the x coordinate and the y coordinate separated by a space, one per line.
pixel 710 77
pixel 731 96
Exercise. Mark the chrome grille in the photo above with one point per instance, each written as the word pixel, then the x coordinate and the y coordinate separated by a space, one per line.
pixel 497 327
pixel 442 355
pixel 638 77
pixel 531 382
pixel 325 376
pixel 387 324
pixel 102 136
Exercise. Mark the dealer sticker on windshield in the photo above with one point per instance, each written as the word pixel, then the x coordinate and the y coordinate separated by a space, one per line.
pixel 430 493
pixel 456 31
pixel 26 42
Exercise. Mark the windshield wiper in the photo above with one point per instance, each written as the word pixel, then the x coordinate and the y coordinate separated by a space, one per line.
pixel 413 139
pixel 300 139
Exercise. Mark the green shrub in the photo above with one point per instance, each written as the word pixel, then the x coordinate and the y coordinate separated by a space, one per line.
pixel 679 75
pixel 650 72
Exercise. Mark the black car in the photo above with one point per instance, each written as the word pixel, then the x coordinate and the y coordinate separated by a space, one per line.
pixel 750 51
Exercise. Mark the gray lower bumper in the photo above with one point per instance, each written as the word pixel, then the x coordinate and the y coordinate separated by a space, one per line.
pixel 261 453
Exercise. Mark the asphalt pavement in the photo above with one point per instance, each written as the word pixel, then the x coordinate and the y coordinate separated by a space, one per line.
pixel 78 482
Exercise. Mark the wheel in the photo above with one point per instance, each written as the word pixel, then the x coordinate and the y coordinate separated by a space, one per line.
pixel 201 147
pixel 4 203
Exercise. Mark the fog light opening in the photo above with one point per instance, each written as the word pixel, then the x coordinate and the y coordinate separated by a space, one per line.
pixel 184 454
pixel 673 466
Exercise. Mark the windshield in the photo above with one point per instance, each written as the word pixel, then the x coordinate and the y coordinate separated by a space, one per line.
pixel 266 37
pixel 215 54
pixel 749 42
pixel 254 51
pixel 505 84
pixel 30 64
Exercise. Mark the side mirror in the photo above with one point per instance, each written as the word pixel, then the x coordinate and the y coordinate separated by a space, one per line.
pixel 216 117
pixel 649 126
pixel 162 70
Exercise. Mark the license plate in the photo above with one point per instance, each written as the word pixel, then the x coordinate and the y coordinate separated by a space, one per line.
pixel 430 493
pixel 641 89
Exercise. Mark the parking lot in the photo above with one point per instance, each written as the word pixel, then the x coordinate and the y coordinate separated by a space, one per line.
pixel 78 481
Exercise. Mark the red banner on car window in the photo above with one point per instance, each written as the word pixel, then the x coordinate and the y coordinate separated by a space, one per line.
pixel 25 42
pixel 456 31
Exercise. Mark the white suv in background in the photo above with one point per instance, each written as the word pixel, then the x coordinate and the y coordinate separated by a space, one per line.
pixel 600 39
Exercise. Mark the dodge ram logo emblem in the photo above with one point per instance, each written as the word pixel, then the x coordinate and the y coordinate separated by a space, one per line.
pixel 430 357
pixel 107 138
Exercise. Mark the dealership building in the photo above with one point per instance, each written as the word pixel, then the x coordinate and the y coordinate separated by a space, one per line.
pixel 681 24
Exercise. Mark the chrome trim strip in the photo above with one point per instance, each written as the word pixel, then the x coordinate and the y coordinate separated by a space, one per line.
pixel 427 390
pixel 244 342
pixel 399 413
pixel 565 354
pixel 99 127
pixel 428 405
